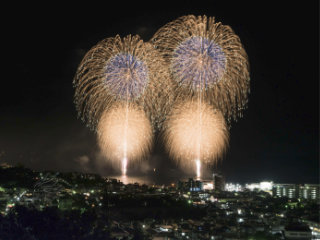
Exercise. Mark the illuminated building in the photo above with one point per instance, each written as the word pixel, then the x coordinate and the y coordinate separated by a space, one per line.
pixel 207 184
pixel 195 186
pixel 306 191
pixel 309 191
pixel 231 187
pixel 191 185
pixel 266 186
pixel 252 186
pixel 262 186
pixel 285 190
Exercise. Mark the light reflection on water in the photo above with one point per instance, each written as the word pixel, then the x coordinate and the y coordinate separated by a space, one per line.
pixel 157 177
pixel 141 180
pixel 151 180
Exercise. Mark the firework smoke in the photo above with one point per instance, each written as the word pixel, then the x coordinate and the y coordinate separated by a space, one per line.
pixel 206 58
pixel 195 134
pixel 124 135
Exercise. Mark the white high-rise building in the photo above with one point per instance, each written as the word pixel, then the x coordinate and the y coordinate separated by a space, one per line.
pixel 310 191
pixel 306 191
pixel 285 190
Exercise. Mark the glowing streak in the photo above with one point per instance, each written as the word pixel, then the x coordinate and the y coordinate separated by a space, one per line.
pixel 125 140
pixel 198 161
pixel 124 179
pixel 198 165
pixel 124 166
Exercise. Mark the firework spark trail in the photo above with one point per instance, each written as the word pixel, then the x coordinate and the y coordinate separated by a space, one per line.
pixel 183 138
pixel 125 148
pixel 198 169
pixel 198 160
pixel 124 165
pixel 198 51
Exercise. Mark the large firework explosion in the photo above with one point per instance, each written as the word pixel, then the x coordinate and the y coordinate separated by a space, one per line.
pixel 206 58
pixel 122 70
pixel 208 62
pixel 122 88
pixel 194 72
pixel 124 133
pixel 195 134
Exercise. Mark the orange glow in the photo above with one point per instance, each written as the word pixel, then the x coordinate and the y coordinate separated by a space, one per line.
pixel 124 135
pixel 188 138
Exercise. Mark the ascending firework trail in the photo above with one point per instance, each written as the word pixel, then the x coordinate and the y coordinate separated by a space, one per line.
pixel 123 91
pixel 207 61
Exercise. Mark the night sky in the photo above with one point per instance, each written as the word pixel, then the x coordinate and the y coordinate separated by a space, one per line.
pixel 277 139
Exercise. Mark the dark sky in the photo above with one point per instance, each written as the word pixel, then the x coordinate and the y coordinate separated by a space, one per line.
pixel 276 140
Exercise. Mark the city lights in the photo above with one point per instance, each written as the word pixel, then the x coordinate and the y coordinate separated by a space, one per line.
pixel 128 123
pixel 223 204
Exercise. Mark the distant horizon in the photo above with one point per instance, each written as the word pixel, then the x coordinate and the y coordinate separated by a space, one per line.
pixel 152 178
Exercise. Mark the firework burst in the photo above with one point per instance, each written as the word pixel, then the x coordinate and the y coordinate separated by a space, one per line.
pixel 206 58
pixel 122 89
pixel 124 133
pixel 195 134
pixel 122 70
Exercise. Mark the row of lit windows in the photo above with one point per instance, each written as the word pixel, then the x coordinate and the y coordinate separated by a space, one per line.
pixel 292 192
